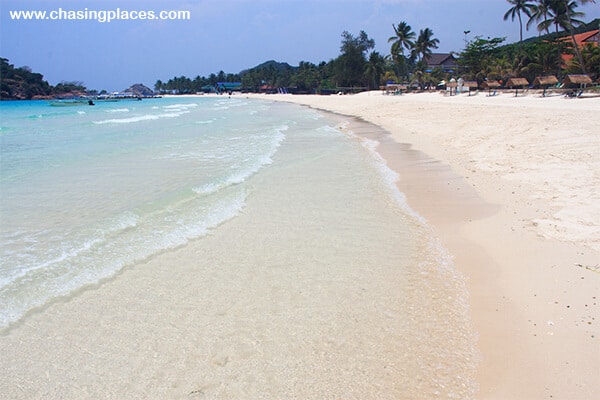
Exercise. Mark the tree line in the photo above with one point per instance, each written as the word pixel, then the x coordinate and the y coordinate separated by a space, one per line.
pixel 359 67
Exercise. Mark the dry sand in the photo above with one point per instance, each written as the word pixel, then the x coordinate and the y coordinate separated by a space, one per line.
pixel 512 186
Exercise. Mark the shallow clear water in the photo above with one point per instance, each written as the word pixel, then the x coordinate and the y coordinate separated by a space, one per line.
pixel 87 191
pixel 270 190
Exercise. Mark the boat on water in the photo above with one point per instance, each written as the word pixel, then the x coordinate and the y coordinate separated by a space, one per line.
pixel 89 101
pixel 71 102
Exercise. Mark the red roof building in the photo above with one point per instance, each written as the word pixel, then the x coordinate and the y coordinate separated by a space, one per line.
pixel 582 39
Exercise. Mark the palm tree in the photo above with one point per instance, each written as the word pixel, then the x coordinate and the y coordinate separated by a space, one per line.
pixel 540 12
pixel 545 60
pixel 563 15
pixel 425 42
pixel 374 69
pixel 591 61
pixel 519 6
pixel 571 21
pixel 403 38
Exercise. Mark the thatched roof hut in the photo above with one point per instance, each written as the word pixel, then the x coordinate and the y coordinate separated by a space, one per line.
pixel 514 82
pixel 545 80
pixel 577 80
pixel 394 88
pixel 490 84
pixel 470 85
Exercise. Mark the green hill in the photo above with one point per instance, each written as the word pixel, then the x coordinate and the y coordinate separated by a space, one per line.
pixel 21 83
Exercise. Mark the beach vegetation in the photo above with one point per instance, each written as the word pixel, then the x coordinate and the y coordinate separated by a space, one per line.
pixel 350 66
pixel 425 44
pixel 562 14
pixel 374 69
pixel 590 56
pixel 21 83
pixel 402 40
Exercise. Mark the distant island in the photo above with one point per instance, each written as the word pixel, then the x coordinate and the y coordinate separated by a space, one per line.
pixel 411 64
pixel 24 84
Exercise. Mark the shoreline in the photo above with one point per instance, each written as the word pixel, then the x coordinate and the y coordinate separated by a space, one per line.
pixel 533 297
pixel 191 322
pixel 285 300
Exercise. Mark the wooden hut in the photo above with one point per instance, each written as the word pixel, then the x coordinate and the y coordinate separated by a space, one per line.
pixel 577 80
pixel 572 80
pixel 516 82
pixel 490 85
pixel 470 84
pixel 545 82
pixel 394 88
pixel 452 85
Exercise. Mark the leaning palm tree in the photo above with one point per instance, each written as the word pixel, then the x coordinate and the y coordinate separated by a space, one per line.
pixel 519 6
pixel 425 42
pixel 570 26
pixel 591 62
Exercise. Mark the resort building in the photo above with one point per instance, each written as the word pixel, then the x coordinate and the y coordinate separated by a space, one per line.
pixel 445 61
pixel 582 39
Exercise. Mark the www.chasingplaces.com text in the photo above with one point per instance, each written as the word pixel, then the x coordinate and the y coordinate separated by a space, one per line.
pixel 98 15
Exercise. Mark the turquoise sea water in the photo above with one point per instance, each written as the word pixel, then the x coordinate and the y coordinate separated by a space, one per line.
pixel 86 192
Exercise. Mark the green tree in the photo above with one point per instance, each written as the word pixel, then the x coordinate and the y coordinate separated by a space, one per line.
pixel 518 7
pixel 590 56
pixel 21 83
pixel 478 52
pixel 350 65
pixel 562 15
pixel 307 78
pixel 569 11
pixel 545 59
pixel 541 11
pixel 424 44
pixel 402 39
pixel 374 69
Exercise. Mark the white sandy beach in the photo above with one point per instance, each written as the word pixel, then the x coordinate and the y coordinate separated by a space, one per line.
pixel 527 237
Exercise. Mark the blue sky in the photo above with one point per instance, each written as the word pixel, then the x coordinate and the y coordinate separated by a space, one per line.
pixel 228 35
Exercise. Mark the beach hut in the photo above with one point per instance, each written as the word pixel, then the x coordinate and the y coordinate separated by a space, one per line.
pixel 470 84
pixel 516 82
pixel 490 85
pixel 394 88
pixel 545 82
pixel 572 80
pixel 580 80
pixel 452 85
